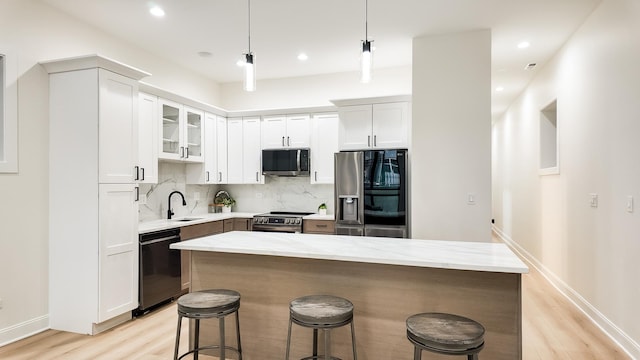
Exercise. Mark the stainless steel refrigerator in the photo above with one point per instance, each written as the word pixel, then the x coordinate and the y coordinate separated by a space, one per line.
pixel 371 193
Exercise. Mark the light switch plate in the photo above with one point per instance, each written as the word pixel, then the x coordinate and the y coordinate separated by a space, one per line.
pixel 594 200
pixel 629 204
pixel 471 199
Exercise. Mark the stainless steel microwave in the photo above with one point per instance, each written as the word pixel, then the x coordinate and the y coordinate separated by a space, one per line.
pixel 285 162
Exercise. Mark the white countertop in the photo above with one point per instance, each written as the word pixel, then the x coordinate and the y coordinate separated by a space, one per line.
pixel 319 217
pixel 492 257
pixel 163 224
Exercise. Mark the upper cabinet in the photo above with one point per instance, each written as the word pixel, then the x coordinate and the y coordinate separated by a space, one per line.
pixel 324 143
pixel 374 126
pixel 214 168
pixel 291 131
pixel 182 132
pixel 244 152
pixel 147 171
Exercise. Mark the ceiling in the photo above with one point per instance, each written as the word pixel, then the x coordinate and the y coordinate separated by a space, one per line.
pixel 330 31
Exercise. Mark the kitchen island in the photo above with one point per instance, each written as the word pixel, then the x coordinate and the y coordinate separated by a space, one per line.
pixel 386 279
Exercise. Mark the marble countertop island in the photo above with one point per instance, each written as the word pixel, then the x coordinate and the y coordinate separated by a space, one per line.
pixel 386 279
pixel 459 255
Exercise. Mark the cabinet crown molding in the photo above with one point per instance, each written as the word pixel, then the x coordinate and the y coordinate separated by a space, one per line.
pixel 372 100
pixel 90 62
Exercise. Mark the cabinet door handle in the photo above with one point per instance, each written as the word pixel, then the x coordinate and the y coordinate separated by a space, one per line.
pixel 219 176
pixel 186 152
pixel 137 194
pixel 288 142
pixel 257 174
pixel 368 140
pixel 283 141
pixel 315 175
pixel 142 174
pixel 137 170
pixel 181 151
pixel 375 138
pixel 321 225
pixel 207 177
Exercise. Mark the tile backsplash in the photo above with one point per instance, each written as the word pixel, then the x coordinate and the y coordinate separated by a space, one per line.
pixel 277 194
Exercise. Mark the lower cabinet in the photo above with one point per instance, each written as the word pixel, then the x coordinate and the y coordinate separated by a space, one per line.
pixel 318 227
pixel 192 232
pixel 238 224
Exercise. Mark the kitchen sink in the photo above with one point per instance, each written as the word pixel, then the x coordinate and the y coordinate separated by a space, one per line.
pixel 187 219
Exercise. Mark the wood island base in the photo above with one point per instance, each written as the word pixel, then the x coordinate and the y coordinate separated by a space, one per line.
pixel 384 296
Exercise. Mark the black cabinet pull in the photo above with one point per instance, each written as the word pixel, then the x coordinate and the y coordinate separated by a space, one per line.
pixel 137 169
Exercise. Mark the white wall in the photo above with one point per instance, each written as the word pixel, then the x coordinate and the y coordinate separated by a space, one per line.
pixel 317 90
pixel 37 32
pixel 589 253
pixel 451 137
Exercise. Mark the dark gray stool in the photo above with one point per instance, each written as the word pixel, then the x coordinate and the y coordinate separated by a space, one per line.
pixel 445 334
pixel 208 304
pixel 321 312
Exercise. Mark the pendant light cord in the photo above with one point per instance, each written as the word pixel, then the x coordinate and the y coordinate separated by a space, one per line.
pixel 249 7
pixel 366 20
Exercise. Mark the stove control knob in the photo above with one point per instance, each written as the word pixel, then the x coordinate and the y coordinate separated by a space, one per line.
pixel 297 221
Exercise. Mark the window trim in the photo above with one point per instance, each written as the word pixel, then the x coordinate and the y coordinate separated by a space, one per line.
pixel 9 122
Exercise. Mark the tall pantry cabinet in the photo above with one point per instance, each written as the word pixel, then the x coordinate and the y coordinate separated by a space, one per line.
pixel 93 209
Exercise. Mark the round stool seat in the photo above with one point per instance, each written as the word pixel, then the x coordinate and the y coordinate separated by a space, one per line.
pixel 208 302
pixel 446 333
pixel 321 310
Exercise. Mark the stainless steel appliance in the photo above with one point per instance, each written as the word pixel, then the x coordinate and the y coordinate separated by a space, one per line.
pixel 160 270
pixel 279 221
pixel 285 162
pixel 371 193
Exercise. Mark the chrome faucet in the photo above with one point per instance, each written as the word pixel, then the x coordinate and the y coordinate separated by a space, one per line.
pixel 169 211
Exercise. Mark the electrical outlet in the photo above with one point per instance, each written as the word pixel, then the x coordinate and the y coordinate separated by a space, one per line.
pixel 143 199
pixel 629 204
pixel 1 303
pixel 259 195
pixel 594 200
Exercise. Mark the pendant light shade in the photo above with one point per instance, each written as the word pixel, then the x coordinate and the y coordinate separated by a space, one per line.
pixel 366 58
pixel 249 65
pixel 249 73
pixel 366 62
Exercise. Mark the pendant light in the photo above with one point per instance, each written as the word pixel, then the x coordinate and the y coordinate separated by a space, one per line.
pixel 249 65
pixel 366 58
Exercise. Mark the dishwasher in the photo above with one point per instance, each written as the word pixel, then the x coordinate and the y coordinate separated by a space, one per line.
pixel 159 273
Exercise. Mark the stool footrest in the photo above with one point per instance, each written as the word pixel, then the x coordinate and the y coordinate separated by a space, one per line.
pixel 320 357
pixel 209 347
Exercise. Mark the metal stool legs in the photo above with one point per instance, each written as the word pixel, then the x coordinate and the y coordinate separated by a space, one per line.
pixel 196 340
pixel 327 343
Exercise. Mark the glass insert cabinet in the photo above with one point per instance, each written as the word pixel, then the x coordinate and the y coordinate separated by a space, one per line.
pixel 182 132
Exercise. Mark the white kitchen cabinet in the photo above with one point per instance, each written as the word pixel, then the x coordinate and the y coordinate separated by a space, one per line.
pixel 214 168
pixel 182 132
pixel 291 131
pixel 118 251
pixel 251 151
pixel 324 144
pixel 244 151
pixel 234 151
pixel 374 126
pixel 147 171
pixel 93 208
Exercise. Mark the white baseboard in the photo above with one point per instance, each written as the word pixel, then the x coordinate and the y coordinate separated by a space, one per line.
pixel 24 330
pixel 630 346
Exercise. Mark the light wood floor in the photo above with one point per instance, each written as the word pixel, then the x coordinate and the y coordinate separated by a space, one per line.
pixel 552 329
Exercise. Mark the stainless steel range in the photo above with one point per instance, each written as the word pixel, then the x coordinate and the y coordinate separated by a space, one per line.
pixel 279 221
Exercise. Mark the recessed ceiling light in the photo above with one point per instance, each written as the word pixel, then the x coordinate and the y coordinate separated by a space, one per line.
pixel 499 88
pixel 205 54
pixel 157 11
pixel 302 57
pixel 523 45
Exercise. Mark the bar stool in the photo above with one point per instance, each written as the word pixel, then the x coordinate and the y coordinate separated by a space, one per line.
pixel 321 312
pixel 445 334
pixel 207 304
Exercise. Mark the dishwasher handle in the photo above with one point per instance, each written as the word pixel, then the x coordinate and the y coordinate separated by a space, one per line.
pixel 155 241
